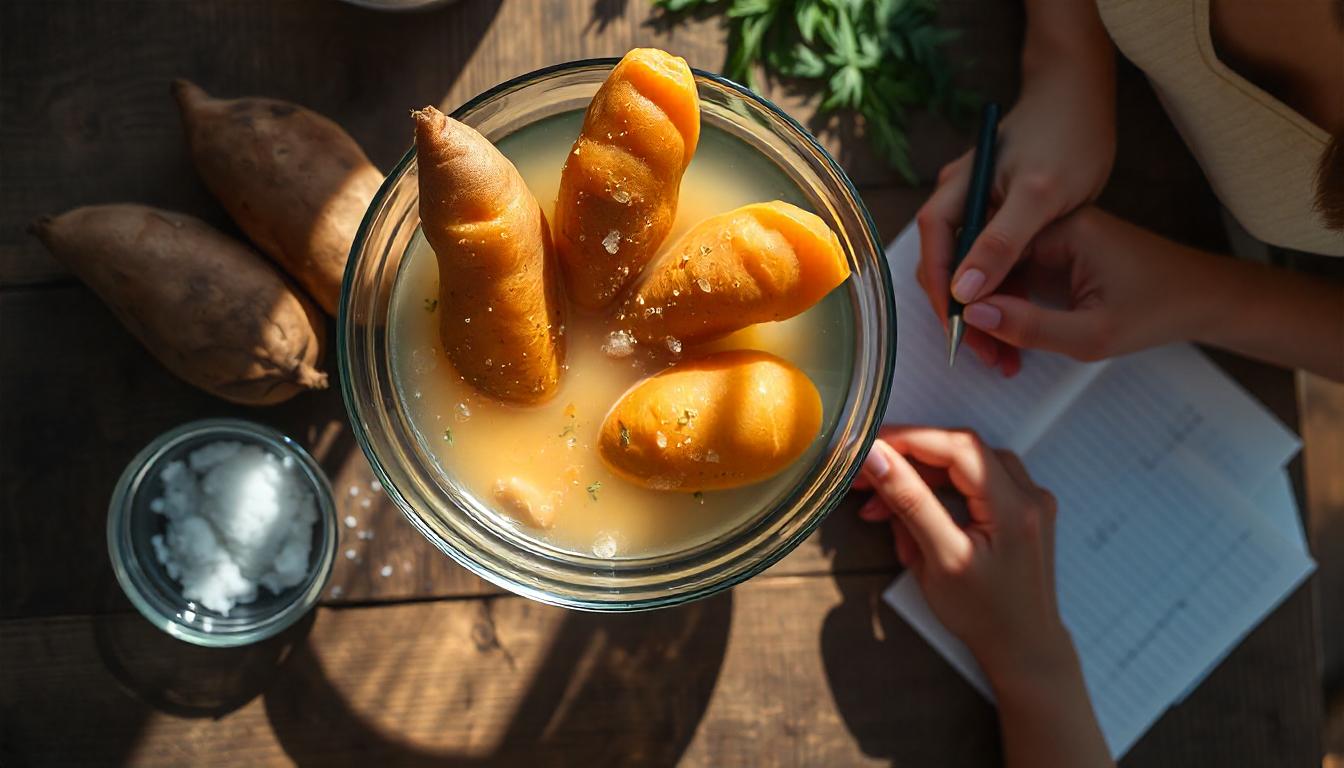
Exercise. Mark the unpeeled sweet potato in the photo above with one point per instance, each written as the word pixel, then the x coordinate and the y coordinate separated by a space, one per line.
pixel 500 308
pixel 294 181
pixel 212 310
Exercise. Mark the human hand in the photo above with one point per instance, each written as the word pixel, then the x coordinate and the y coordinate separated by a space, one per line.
pixel 1121 287
pixel 1056 148
pixel 991 582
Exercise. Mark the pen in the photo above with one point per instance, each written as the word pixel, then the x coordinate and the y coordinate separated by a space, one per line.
pixel 973 220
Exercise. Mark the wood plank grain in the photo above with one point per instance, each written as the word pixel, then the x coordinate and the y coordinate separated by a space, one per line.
pixel 1322 403
pixel 503 681
pixel 81 129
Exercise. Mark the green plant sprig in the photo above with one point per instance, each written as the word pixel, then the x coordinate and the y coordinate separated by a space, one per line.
pixel 878 58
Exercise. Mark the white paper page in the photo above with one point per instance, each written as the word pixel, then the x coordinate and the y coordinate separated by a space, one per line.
pixel 1011 413
pixel 1277 503
pixel 1178 398
pixel 1159 576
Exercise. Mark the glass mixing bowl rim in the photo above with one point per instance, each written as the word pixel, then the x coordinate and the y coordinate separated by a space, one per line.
pixel 130 575
pixel 504 580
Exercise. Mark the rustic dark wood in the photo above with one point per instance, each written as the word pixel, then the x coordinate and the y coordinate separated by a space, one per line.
pixel 1323 459
pixel 836 679
pixel 802 666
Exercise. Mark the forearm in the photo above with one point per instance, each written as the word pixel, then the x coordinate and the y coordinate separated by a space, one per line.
pixel 1068 33
pixel 1269 314
pixel 1046 718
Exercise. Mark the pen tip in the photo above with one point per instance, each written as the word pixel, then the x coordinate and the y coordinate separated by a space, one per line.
pixel 955 329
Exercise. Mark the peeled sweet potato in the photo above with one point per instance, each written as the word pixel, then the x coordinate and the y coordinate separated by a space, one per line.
pixel 719 421
pixel 619 187
pixel 212 310
pixel 294 181
pixel 500 310
pixel 761 262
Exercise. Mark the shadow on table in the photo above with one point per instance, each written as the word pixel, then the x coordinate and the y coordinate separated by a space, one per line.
pixel 187 680
pixel 898 698
pixel 611 690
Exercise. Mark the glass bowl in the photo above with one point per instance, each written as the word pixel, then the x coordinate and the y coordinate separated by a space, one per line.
pixel 466 529
pixel 131 523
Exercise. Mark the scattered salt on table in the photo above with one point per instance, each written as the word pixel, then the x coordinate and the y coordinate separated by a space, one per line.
pixel 238 517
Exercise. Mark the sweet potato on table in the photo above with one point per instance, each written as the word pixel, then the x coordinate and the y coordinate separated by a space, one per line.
pixel 500 311
pixel 758 263
pixel 294 181
pixel 720 421
pixel 619 186
pixel 212 310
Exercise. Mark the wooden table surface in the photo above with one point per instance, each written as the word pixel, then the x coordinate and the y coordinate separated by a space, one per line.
pixel 801 666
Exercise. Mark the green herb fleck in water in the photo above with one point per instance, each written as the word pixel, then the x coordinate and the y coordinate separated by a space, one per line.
pixel 699 497
pixel 431 305
pixel 448 436
pixel 593 488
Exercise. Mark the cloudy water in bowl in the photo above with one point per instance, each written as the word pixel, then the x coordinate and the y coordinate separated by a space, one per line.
pixel 553 446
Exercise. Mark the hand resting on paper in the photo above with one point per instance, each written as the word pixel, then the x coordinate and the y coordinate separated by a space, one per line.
pixel 990 582
pixel 1100 287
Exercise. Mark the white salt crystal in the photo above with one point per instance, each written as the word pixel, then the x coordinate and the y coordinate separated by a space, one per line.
pixel 674 345
pixel 612 242
pixel 385 571
pixel 604 545
pixel 350 521
pixel 619 344
pixel 238 517
pixel 350 554
pixel 376 486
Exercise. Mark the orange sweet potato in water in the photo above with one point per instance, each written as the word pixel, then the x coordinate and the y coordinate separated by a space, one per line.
pixel 294 181
pixel 758 263
pixel 619 186
pixel 720 421
pixel 500 311
pixel 212 310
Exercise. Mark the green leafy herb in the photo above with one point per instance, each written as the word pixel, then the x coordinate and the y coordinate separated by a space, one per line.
pixel 699 497
pixel 448 436
pixel 625 434
pixel 877 58
pixel 431 305
pixel 593 488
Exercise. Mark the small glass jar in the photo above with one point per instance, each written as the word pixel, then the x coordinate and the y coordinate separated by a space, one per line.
pixel 131 524
pixel 461 525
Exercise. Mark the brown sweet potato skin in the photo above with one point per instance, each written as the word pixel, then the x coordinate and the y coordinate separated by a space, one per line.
pixel 500 309
pixel 294 181
pixel 212 310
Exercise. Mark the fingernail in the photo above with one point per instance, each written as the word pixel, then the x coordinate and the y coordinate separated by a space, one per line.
pixel 968 286
pixel 876 464
pixel 986 317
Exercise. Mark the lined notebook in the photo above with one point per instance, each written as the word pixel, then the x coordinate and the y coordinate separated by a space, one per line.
pixel 1177 531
